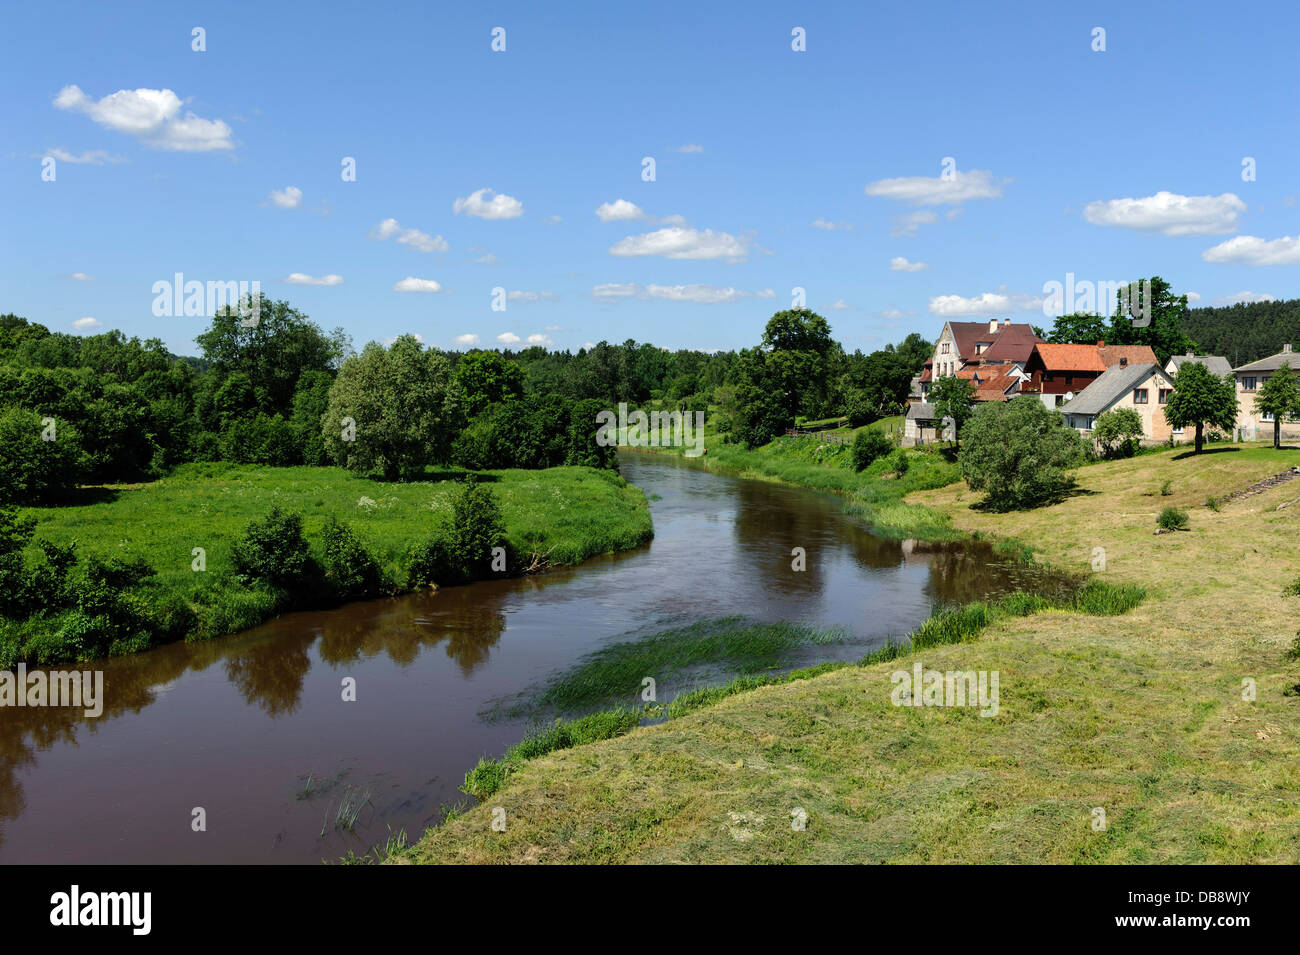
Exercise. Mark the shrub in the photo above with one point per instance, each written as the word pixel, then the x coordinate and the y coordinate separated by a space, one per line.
pixel 900 462
pixel 1172 519
pixel 431 563
pixel 1118 432
pixel 273 550
pixel 1213 503
pixel 868 445
pixel 477 527
pixel 33 469
pixel 350 570
pixel 1167 488
pixel 1018 452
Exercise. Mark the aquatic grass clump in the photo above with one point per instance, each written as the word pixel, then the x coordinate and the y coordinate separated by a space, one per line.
pixel 1102 599
pixel 617 670
pixel 490 774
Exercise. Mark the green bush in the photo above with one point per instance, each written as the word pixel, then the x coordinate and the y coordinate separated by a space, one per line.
pixel 273 550
pixel 1018 452
pixel 431 563
pixel 868 445
pixel 1172 519
pixel 350 570
pixel 1118 432
pixel 39 461
pixel 477 527
pixel 900 462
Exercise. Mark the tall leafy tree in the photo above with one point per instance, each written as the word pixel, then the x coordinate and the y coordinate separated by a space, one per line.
pixel 1279 396
pixel 1201 397
pixel 486 378
pixel 1078 328
pixel 1148 313
pixel 1019 452
pixel 392 409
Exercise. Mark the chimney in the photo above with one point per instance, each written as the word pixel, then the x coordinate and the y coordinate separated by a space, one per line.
pixel 1101 343
pixel 993 325
pixel 1006 322
pixel 1190 355
pixel 1286 349
pixel 1123 361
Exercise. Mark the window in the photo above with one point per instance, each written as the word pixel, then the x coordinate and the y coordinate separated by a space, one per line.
pixel 1266 416
pixel 1060 400
pixel 1139 396
pixel 1069 380
pixel 1164 395
pixel 1248 384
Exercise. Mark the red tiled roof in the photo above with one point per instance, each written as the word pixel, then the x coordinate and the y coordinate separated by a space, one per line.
pixel 1136 354
pixel 1070 357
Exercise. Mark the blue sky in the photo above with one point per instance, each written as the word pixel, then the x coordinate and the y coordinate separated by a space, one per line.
pixel 1107 164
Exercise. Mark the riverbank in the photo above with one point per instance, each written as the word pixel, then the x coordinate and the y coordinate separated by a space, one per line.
pixel 1118 739
pixel 555 517
pixel 875 494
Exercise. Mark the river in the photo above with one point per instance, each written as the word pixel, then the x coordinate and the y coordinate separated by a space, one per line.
pixel 253 729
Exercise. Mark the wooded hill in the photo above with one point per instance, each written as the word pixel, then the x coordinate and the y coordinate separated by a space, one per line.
pixel 1244 333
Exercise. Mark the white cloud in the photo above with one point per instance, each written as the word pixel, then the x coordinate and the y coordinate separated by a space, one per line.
pixel 298 278
pixel 87 323
pixel 92 157
pixel 820 223
pixel 499 206
pixel 552 220
pixel 1193 298
pixel 516 295
pixel 290 197
pixel 81 277
pixel 910 223
pixel 677 242
pixel 690 148
pixel 838 305
pixel 987 303
pixel 487 259
pixel 151 116
pixel 1169 213
pixel 895 314
pixel 553 328
pixel 926 191
pixel 620 210
pixel 410 284
pixel 508 338
pixel 698 294
pixel 540 339
pixel 1251 250
pixel 900 264
pixel 467 340
pixel 1244 298
pixel 420 241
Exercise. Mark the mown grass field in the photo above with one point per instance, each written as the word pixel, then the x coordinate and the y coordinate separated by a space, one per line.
pixel 1139 716
pixel 564 515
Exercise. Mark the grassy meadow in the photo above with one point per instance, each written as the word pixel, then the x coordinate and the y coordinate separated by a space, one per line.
pixel 559 515
pixel 1159 731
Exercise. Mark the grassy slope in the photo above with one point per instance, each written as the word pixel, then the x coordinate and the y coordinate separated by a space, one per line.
pixel 568 514
pixel 1141 715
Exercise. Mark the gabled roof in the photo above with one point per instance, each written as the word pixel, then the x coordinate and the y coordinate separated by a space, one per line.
pixel 1136 354
pixel 920 410
pixel 1110 386
pixel 969 334
pixel 1216 364
pixel 1071 357
pixel 1012 343
pixel 1273 362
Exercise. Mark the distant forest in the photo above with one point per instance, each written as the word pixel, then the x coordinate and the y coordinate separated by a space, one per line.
pixel 1244 333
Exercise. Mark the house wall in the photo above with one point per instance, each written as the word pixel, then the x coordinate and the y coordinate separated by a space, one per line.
pixel 945 362
pixel 1250 423
pixel 1154 426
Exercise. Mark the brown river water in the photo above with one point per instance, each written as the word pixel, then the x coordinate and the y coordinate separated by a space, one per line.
pixel 254 730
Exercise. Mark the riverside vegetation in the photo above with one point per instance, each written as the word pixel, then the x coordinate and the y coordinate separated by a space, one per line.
pixel 1126 697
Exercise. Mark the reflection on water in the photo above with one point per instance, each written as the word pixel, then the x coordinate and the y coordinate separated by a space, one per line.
pixel 237 725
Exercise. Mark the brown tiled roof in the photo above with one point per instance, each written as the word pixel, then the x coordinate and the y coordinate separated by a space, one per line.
pixel 968 334
pixel 1136 354
pixel 1072 357
pixel 1013 343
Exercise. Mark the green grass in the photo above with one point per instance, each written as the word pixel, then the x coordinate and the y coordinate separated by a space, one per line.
pixel 617 671
pixel 559 515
